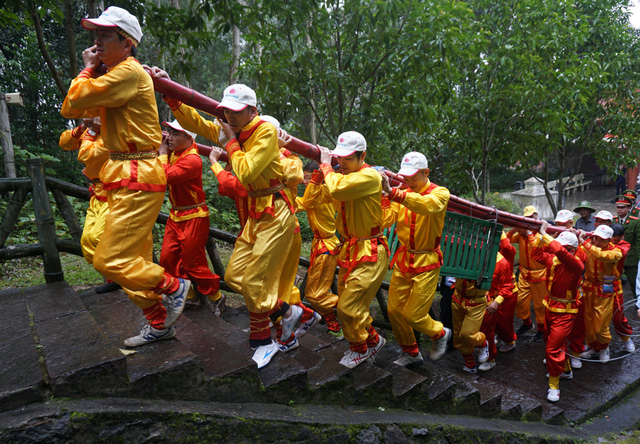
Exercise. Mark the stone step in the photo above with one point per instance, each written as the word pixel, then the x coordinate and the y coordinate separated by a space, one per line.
pixel 79 358
pixel 408 386
pixel 165 369
pixel 21 377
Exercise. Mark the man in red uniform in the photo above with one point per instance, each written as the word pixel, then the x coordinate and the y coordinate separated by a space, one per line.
pixel 187 229
pixel 563 280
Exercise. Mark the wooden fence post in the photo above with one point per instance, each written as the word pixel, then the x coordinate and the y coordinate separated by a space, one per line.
pixel 45 223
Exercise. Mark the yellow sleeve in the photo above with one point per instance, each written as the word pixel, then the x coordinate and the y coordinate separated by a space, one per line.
pixel 292 170
pixel 354 185
pixel 67 142
pixel 248 165
pixel 191 120
pixel 111 90
pixel 606 256
pixel 390 214
pixel 434 202
pixel 216 168
pixel 315 194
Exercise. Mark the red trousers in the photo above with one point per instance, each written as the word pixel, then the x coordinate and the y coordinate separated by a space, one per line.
pixel 620 322
pixel 578 333
pixel 488 327
pixel 558 327
pixel 504 319
pixel 183 254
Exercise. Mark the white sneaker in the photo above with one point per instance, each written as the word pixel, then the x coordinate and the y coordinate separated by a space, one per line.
pixel 473 370
pixel 604 355
pixel 174 302
pixel 263 354
pixel 439 347
pixel 352 359
pixel 566 375
pixel 306 326
pixel 575 362
pixel 406 360
pixel 289 324
pixel 149 334
pixel 291 345
pixel 483 354
pixel 589 354
pixel 504 348
pixel 373 351
pixel 486 366
pixel 629 346
pixel 553 395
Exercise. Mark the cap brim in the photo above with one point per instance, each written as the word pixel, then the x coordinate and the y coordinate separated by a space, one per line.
pixel 342 152
pixel 602 237
pixel 408 172
pixel 182 130
pixel 561 221
pixel 529 214
pixel 94 23
pixel 233 106
pixel 577 209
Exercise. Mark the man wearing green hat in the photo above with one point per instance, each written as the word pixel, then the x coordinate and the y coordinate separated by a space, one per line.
pixel 586 221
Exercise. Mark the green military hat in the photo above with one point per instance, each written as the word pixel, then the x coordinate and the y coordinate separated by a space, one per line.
pixel 584 204
pixel 624 199
pixel 632 195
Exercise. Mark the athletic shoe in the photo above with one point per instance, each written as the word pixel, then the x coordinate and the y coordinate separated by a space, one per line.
pixel 604 355
pixel 373 351
pixel 439 346
pixel 193 300
pixel 108 287
pixel 589 353
pixel 263 354
pixel 483 353
pixel 174 302
pixel 473 370
pixel 523 329
pixel 505 348
pixel 553 395
pixel 306 325
pixel 538 337
pixel 629 346
pixel 289 324
pixel 291 345
pixel 406 360
pixel 352 359
pixel 218 306
pixel 575 362
pixel 148 334
pixel 565 375
pixel 486 366
pixel 339 335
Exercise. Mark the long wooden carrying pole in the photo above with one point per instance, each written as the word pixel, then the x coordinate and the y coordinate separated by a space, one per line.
pixel 456 204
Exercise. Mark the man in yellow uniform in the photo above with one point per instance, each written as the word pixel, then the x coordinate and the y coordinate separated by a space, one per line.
pixel 531 281
pixel 364 255
pixel 133 176
pixel 419 216
pixel 257 262
pixel 600 272
pixel 324 249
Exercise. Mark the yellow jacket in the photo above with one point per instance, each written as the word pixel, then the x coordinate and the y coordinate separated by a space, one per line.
pixel 419 218
pixel 127 106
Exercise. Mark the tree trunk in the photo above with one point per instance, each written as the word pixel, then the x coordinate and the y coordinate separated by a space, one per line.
pixel 5 140
pixel 71 39
pixel 43 49
pixel 235 55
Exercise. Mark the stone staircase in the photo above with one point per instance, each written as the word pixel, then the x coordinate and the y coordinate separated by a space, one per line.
pixel 67 345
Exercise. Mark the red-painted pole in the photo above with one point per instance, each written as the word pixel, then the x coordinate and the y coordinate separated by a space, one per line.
pixel 456 204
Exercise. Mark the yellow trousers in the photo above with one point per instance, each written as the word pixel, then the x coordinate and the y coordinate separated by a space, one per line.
pixel 287 291
pixel 94 223
pixel 598 312
pixel 410 298
pixel 257 261
pixel 125 251
pixel 356 293
pixel 319 279
pixel 467 316
pixel 528 291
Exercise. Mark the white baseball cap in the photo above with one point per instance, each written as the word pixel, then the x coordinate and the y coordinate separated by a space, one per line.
pixel 605 215
pixel 349 143
pixel 564 216
pixel 412 163
pixel 176 126
pixel 114 17
pixel 237 97
pixel 271 120
pixel 603 231
pixel 568 238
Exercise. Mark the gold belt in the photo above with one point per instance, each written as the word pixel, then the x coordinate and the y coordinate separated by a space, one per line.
pixel 265 191
pixel 420 251
pixel 188 207
pixel 562 301
pixel 137 155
